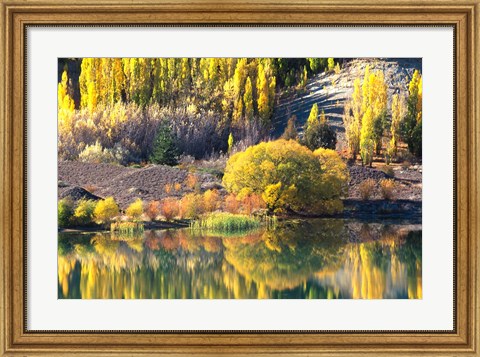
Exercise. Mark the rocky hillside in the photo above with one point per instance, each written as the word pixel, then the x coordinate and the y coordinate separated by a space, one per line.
pixel 330 91
pixel 96 181
pixel 80 179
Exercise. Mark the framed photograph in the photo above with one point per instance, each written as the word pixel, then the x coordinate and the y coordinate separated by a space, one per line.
pixel 244 179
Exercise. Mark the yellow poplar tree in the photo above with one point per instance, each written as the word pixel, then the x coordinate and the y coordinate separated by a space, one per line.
pixel 265 94
pixel 66 105
pixel 65 101
pixel 88 83
pixel 238 88
pixel 398 111
pixel 367 142
pixel 313 116
pixel 412 122
pixel 248 100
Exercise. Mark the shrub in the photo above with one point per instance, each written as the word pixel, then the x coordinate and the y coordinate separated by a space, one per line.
pixel 252 203
pixel 191 205
pixel 84 212
pixel 337 68
pixel 191 181
pixel 96 154
pixel 387 187
pixel 91 188
pixel 168 188
pixel 169 208
pixel 231 203
pixel 210 200
pixel 285 173
pixel 330 207
pixel 106 210
pixel 135 210
pixel 330 64
pixel 177 187
pixel 65 212
pixel 366 188
pixel 152 210
pixel 291 132
pixel 318 134
pixel 335 173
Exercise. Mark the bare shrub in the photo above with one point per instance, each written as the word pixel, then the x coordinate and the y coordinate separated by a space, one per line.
pixel 191 205
pixel 232 205
pixel 387 189
pixel 366 189
pixel 191 181
pixel 169 208
pixel 152 210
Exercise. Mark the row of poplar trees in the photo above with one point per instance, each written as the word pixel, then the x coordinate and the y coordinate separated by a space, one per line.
pixel 369 123
pixel 240 88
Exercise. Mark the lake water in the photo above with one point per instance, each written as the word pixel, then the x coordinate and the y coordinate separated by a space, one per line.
pixel 300 259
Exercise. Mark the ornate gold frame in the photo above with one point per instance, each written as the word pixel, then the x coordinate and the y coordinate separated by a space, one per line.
pixel 17 14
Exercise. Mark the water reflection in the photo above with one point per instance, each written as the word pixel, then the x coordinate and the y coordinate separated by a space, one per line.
pixel 329 258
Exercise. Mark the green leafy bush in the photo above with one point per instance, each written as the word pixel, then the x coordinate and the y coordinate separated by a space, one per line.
pixel 84 212
pixel 65 212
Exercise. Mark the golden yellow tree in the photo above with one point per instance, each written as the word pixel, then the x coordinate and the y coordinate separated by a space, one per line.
pixel 286 174
pixel 248 100
pixel 106 210
pixel 398 112
pixel 238 89
pixel 211 200
pixel 135 210
pixel 367 139
pixel 66 105
pixel 370 94
pixel 265 93
pixel 411 126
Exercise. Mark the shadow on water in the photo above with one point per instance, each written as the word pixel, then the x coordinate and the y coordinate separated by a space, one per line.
pixel 300 259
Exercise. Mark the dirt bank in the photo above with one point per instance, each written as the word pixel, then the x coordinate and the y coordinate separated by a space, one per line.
pixel 97 181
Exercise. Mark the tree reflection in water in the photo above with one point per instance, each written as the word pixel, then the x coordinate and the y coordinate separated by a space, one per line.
pixel 319 259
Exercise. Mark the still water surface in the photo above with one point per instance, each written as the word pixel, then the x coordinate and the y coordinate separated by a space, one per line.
pixel 309 259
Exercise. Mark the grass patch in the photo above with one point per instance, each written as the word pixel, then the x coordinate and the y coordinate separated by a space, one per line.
pixel 127 228
pixel 226 222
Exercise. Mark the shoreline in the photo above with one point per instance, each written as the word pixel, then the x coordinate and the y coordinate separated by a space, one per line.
pixel 354 209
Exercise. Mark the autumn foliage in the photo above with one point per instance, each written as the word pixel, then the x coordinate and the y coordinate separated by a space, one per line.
pixel 135 210
pixel 286 175
pixel 211 200
pixel 366 118
pixel 106 210
pixel 152 209
pixel 169 208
